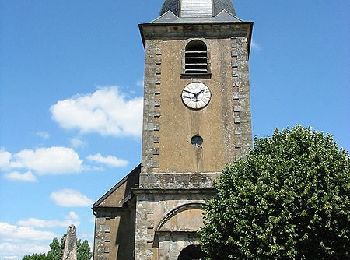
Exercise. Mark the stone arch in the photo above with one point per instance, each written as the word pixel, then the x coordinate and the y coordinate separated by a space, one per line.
pixel 177 219
pixel 178 230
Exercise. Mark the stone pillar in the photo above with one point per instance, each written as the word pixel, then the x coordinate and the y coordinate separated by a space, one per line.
pixel 70 244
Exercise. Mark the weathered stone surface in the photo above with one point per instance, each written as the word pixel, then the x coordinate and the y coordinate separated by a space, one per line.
pixel 178 178
pixel 115 220
pixel 70 244
pixel 167 222
pixel 176 124
pixel 161 215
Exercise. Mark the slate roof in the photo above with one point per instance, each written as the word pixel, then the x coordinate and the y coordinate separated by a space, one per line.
pixel 222 17
pixel 218 6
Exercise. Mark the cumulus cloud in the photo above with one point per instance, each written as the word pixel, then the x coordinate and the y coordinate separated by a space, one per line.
pixel 5 158
pixel 77 142
pixel 9 232
pixel 106 112
pixel 72 218
pixel 111 161
pixel 70 198
pixel 31 235
pixel 52 160
pixel 15 251
pixel 16 240
pixel 28 164
pixel 21 177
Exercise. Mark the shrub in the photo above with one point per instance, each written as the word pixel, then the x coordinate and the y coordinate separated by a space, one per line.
pixel 288 198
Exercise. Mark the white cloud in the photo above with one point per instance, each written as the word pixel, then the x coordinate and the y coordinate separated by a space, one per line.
pixel 72 218
pixel 29 236
pixel 77 142
pixel 21 177
pixel 26 164
pixel 52 160
pixel 16 250
pixel 111 161
pixel 17 241
pixel 70 198
pixel 5 158
pixel 9 232
pixel 9 257
pixel 106 111
pixel 43 135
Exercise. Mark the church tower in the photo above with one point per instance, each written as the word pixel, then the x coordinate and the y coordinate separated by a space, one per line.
pixel 196 120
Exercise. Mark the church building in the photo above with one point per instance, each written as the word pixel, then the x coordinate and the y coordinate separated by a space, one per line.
pixel 196 119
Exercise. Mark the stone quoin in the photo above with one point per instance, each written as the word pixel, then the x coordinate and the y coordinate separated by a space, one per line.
pixel 196 119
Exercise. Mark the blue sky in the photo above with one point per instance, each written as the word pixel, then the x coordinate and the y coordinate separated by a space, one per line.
pixel 71 88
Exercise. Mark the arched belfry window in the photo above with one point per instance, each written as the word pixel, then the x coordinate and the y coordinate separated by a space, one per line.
pixel 196 58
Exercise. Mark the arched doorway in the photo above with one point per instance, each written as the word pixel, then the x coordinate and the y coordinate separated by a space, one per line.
pixel 192 252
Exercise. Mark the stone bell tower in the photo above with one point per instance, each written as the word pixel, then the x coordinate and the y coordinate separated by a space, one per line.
pixel 196 120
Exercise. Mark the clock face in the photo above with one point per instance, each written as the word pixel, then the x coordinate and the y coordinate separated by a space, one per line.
pixel 196 95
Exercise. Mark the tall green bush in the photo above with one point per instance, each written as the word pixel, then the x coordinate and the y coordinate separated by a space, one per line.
pixel 289 198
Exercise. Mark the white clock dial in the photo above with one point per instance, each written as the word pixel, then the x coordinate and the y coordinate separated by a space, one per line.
pixel 196 95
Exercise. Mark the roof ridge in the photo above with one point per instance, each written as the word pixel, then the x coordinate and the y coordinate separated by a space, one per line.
pixel 116 186
pixel 164 15
pixel 175 6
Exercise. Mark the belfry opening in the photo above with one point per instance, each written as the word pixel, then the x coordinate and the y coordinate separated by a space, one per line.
pixel 196 119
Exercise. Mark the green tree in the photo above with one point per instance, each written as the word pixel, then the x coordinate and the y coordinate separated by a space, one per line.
pixel 57 248
pixel 289 198
pixel 56 251
pixel 35 257
pixel 83 250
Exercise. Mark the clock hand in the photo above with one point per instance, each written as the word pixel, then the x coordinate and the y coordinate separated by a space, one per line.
pixel 197 94
pixel 189 94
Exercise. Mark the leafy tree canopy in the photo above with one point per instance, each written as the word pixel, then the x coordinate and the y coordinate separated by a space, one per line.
pixel 289 198
pixel 83 250
pixel 56 249
pixel 35 257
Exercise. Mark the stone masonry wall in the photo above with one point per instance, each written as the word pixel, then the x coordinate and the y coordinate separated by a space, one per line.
pixel 170 176
pixel 169 126
pixel 241 95
pixel 114 233
pixel 151 114
pixel 151 209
